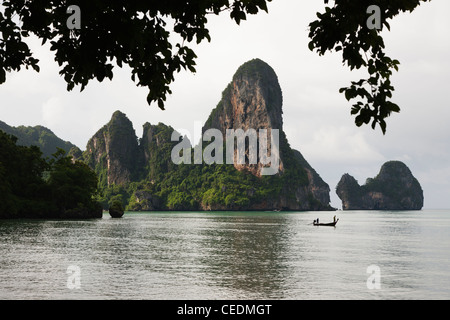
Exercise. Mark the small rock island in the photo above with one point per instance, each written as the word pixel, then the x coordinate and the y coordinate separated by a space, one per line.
pixel 394 188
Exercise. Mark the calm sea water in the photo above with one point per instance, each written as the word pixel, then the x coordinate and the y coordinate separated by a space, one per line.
pixel 228 255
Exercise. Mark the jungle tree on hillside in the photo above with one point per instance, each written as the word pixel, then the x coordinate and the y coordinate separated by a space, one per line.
pixel 33 187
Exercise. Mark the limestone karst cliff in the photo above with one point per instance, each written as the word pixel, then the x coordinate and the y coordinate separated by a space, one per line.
pixel 141 173
pixel 253 100
pixel 113 152
pixel 394 188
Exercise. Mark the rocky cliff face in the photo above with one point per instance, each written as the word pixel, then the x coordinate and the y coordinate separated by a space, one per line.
pixel 253 100
pixel 156 146
pixel 113 152
pixel 394 188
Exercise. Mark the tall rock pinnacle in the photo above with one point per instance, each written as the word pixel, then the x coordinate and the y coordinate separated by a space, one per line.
pixel 114 152
pixel 253 100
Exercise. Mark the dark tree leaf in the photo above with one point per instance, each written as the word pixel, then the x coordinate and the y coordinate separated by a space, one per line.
pixel 343 28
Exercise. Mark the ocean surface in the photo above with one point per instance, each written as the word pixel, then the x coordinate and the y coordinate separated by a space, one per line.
pixel 229 255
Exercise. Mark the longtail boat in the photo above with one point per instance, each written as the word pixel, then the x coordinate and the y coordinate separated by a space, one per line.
pixel 330 224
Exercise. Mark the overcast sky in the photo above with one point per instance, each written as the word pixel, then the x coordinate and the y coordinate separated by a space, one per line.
pixel 316 117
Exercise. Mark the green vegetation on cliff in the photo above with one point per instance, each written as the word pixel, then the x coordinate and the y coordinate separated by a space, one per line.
pixel 201 186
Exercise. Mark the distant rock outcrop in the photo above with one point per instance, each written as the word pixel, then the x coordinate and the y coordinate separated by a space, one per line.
pixel 394 188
